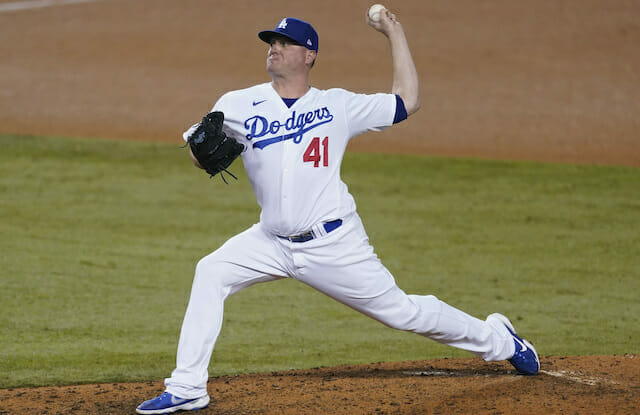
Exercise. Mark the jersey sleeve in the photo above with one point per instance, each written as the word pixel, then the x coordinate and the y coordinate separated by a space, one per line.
pixel 190 130
pixel 365 112
pixel 401 110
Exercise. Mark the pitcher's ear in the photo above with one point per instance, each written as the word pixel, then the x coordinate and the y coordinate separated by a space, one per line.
pixel 311 56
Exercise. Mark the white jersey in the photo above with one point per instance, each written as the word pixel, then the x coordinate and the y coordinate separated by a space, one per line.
pixel 293 155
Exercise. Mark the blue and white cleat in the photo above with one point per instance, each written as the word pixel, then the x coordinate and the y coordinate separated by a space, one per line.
pixel 167 404
pixel 525 359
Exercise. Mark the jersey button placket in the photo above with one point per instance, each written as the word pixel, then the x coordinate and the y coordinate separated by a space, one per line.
pixel 286 179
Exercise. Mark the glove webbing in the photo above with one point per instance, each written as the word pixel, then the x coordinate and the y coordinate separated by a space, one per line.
pixel 222 175
pixel 223 169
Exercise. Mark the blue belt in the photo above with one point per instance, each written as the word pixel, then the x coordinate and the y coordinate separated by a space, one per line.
pixel 307 236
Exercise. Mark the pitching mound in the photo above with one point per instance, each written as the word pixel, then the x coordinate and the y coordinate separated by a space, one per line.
pixel 587 384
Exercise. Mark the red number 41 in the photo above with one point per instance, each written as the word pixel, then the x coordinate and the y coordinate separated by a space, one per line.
pixel 312 153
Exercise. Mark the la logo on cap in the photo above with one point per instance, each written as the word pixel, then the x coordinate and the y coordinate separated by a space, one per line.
pixel 299 31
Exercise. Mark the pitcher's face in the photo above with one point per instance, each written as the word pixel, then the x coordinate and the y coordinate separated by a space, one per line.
pixel 286 56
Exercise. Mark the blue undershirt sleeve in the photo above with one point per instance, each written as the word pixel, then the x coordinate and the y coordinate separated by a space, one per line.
pixel 401 111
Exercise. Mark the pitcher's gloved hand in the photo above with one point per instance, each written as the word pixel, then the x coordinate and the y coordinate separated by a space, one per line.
pixel 213 149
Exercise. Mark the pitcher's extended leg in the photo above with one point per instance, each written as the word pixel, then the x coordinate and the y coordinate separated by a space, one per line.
pixel 357 278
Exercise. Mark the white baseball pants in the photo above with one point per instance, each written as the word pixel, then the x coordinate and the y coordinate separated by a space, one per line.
pixel 340 264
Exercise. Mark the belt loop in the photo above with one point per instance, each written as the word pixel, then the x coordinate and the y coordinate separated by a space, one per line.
pixel 318 230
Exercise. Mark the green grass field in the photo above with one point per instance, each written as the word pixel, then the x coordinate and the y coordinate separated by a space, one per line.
pixel 99 240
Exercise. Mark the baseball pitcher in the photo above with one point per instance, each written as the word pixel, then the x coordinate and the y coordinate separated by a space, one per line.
pixel 292 138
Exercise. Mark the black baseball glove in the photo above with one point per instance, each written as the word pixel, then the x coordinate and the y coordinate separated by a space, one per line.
pixel 213 149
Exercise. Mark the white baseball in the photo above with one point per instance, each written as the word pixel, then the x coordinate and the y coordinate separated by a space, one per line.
pixel 374 12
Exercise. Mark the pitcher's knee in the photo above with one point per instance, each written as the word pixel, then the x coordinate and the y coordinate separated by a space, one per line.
pixel 212 272
pixel 428 303
pixel 205 265
pixel 419 314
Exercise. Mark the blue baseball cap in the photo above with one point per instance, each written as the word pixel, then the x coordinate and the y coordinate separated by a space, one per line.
pixel 295 29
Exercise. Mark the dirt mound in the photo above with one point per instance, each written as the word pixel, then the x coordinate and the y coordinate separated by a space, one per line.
pixel 583 385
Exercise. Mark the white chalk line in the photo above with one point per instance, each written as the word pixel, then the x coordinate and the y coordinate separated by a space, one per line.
pixel 578 379
pixel 574 377
pixel 36 4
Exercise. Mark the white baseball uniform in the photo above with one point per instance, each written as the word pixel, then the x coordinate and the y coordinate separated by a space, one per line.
pixel 309 229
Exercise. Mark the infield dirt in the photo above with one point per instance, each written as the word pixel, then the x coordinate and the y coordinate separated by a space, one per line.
pixel 550 80
pixel 572 385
